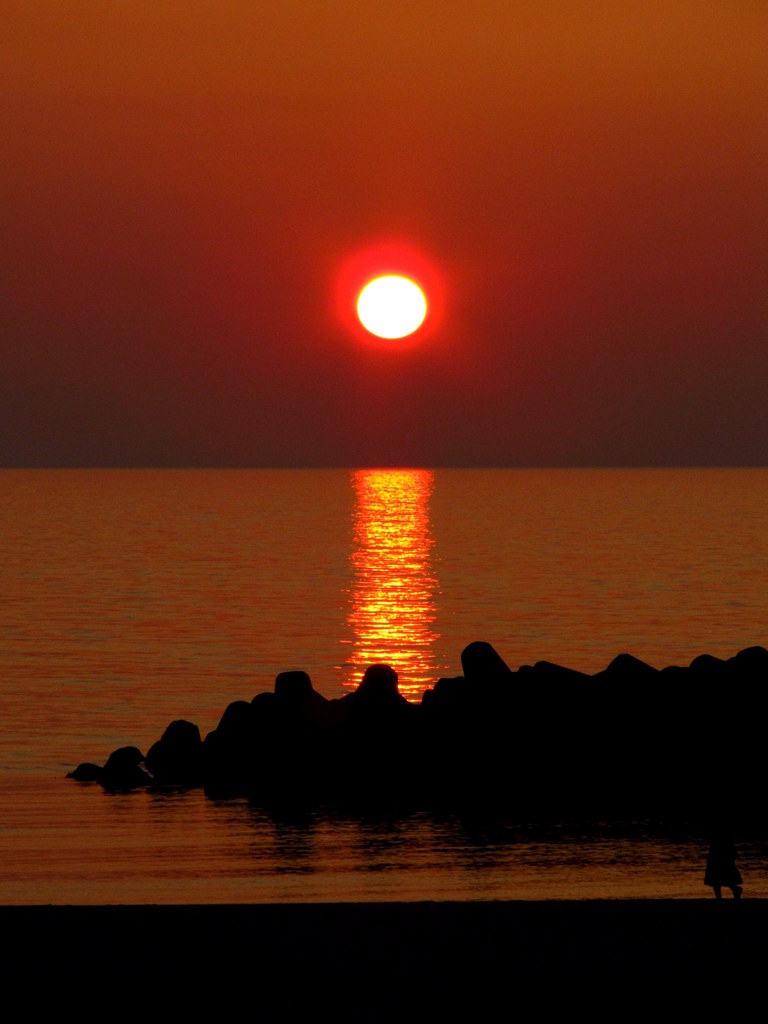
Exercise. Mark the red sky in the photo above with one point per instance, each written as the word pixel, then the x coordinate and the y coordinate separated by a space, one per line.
pixel 184 184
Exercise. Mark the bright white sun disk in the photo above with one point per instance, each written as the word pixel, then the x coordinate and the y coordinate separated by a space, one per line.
pixel 391 306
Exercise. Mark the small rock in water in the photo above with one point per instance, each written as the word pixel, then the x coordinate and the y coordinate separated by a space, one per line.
pixel 86 772
pixel 123 770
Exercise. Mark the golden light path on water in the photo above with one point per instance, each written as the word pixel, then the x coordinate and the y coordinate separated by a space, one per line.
pixel 392 604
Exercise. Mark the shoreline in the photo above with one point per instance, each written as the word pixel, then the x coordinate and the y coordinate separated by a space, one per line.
pixel 447 952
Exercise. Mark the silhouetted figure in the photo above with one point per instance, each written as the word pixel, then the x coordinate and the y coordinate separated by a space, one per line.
pixel 721 865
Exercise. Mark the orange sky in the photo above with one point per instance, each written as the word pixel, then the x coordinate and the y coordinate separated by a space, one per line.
pixel 183 183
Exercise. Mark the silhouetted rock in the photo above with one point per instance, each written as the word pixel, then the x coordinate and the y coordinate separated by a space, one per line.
pixel 368 751
pixel 237 721
pixel 86 772
pixel 228 751
pixel 293 687
pixel 123 770
pixel 707 664
pixel 565 677
pixel 450 688
pixel 177 757
pixel 627 668
pixel 298 703
pixel 379 684
pixel 263 705
pixel 290 770
pixel 446 696
pixel 753 659
pixel 376 706
pixel 483 665
pixel 748 675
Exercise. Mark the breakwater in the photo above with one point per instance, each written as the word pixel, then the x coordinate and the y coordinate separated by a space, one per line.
pixel 681 742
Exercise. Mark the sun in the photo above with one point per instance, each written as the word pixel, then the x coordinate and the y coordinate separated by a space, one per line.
pixel 391 306
pixel 390 296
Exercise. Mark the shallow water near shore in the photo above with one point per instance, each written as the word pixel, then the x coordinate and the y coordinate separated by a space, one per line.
pixel 182 847
pixel 134 598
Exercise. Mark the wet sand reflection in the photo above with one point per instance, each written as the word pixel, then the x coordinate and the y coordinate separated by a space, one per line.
pixel 392 604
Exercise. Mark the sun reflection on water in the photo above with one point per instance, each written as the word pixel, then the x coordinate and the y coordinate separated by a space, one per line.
pixel 392 603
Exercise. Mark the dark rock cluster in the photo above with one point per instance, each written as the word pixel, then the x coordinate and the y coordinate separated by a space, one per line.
pixel 546 739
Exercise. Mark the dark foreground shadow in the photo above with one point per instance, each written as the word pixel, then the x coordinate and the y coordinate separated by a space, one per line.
pixel 383 961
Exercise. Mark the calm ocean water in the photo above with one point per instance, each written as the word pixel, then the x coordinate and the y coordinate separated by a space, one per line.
pixel 131 598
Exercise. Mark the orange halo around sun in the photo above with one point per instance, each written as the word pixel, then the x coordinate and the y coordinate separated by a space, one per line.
pixel 391 306
pixel 390 294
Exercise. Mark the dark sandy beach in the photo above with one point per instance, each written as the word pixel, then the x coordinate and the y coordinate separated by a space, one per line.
pixel 370 960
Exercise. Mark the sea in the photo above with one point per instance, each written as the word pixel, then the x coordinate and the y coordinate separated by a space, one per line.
pixel 131 598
